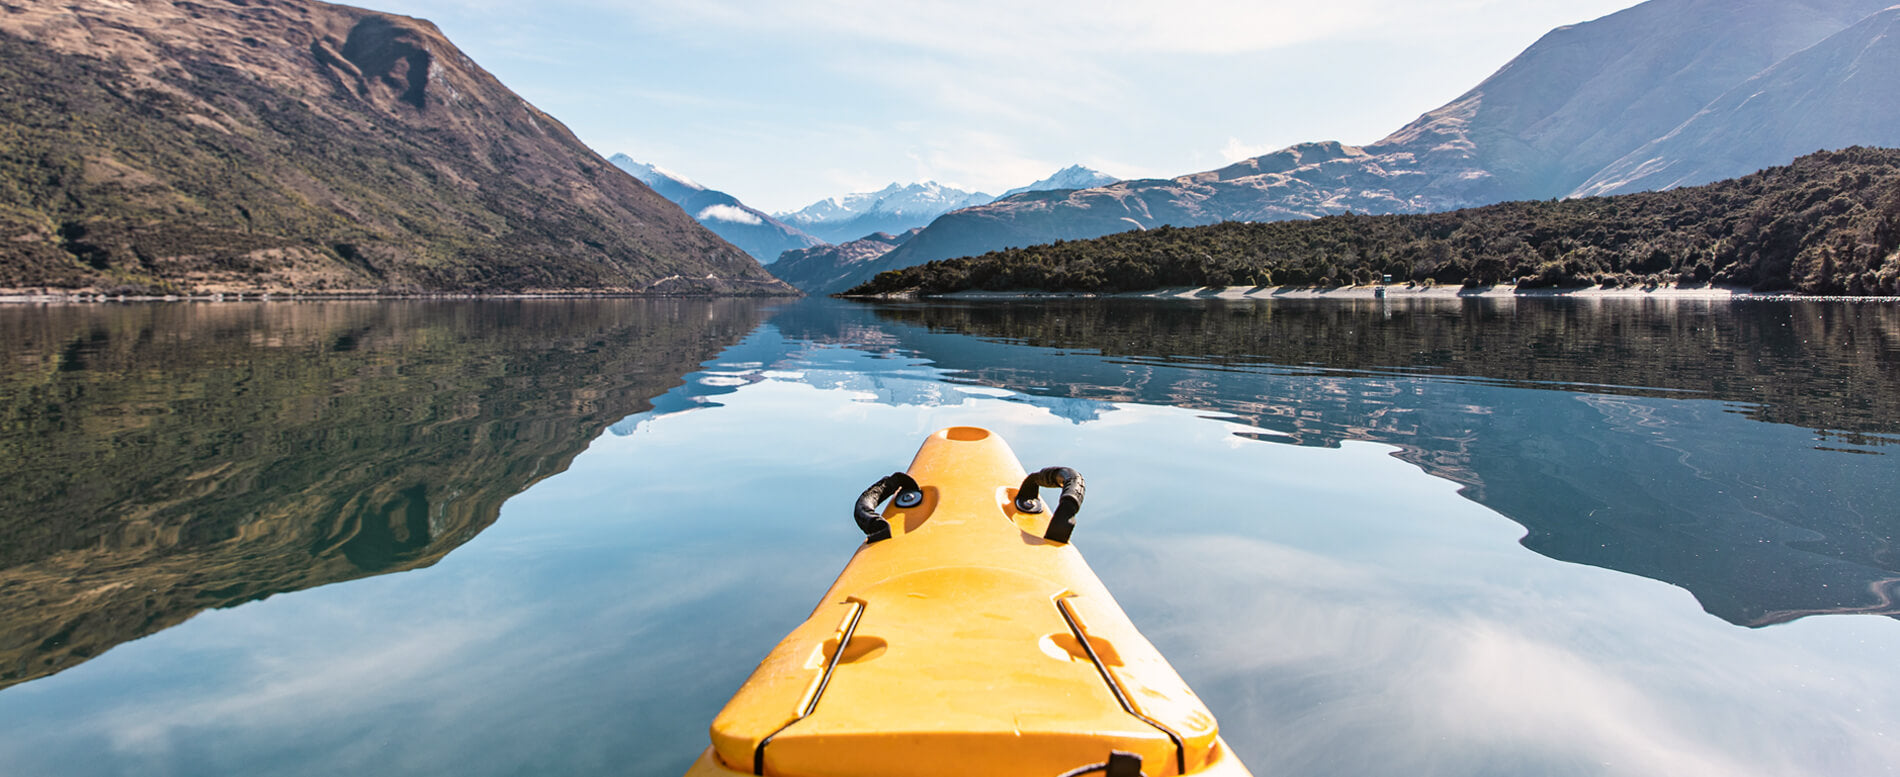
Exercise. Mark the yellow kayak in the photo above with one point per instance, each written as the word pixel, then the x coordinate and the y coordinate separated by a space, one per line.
pixel 966 637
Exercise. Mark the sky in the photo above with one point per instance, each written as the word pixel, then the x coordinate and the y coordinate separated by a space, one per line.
pixel 784 104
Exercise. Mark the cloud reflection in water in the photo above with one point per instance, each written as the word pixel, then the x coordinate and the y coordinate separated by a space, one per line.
pixel 1343 611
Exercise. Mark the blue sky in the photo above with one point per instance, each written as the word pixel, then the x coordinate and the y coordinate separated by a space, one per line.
pixel 783 104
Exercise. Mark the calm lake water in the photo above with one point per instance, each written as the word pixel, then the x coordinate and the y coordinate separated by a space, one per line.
pixel 1532 537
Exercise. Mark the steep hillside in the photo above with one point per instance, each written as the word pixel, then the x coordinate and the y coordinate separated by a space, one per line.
pixel 1585 95
pixel 1576 101
pixel 294 145
pixel 1827 224
pixel 752 230
pixel 1842 91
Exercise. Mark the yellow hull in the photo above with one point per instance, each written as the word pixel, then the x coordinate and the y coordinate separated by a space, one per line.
pixel 965 638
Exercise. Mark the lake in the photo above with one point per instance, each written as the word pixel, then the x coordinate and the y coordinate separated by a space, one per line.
pixel 551 537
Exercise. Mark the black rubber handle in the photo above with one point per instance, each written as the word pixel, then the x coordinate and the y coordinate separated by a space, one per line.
pixel 875 528
pixel 1119 764
pixel 1062 524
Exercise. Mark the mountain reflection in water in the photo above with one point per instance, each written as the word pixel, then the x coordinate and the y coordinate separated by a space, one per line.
pixel 1307 506
pixel 1736 450
pixel 167 459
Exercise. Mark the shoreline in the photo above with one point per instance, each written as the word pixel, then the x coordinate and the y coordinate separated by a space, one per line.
pixel 1354 293
pixel 1434 292
pixel 94 299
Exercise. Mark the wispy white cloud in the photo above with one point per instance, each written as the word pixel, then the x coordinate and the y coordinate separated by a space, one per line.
pixel 975 29
pixel 1508 676
pixel 778 102
pixel 981 160
pixel 728 213
pixel 1235 150
pixel 1122 168
pixel 983 28
pixel 302 681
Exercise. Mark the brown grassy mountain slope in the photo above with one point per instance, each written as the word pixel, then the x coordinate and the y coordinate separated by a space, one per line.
pixel 294 145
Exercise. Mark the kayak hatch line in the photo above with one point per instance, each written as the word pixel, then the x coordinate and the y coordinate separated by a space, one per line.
pixel 850 627
pixel 1180 749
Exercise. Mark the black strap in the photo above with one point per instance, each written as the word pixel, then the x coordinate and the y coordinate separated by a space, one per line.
pixel 1062 524
pixel 875 528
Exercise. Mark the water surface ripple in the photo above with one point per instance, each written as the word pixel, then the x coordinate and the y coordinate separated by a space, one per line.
pixel 1466 537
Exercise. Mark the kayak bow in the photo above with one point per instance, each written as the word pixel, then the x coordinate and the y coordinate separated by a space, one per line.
pixel 966 637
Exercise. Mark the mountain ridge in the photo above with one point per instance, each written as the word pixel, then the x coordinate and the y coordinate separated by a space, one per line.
pixel 1821 107
pixel 826 266
pixel 1826 224
pixel 894 209
pixel 1525 132
pixel 1071 177
pixel 302 147
pixel 898 208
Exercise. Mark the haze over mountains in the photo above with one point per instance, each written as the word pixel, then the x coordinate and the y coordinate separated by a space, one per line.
pixel 299 146
pixel 1667 93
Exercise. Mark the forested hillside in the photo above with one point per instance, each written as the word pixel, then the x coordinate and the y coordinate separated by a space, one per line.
pixel 1827 224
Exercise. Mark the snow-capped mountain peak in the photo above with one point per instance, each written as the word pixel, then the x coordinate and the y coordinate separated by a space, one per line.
pixel 903 206
pixel 651 175
pixel 926 200
pixel 893 209
pixel 826 210
pixel 759 235
pixel 1071 177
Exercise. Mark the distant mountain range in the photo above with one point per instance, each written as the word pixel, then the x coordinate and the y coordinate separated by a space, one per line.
pixel 299 146
pixel 898 208
pixel 852 229
pixel 893 209
pixel 1827 224
pixel 753 231
pixel 1667 93
pixel 826 266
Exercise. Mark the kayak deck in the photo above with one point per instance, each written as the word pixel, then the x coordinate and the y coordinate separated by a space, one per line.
pixel 966 643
